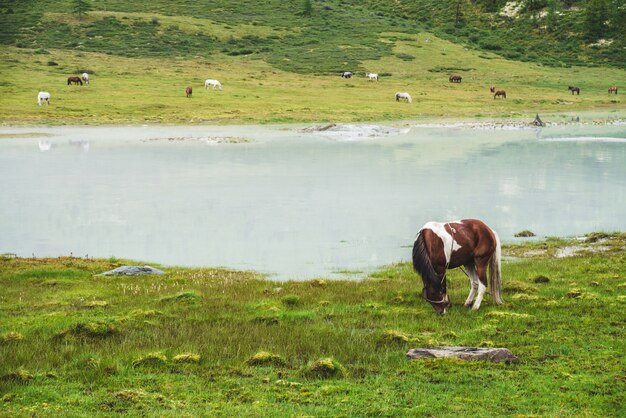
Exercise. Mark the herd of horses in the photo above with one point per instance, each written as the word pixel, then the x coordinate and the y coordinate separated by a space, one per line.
pixel 44 97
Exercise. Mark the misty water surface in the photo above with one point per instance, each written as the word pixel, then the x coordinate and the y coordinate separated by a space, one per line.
pixel 293 204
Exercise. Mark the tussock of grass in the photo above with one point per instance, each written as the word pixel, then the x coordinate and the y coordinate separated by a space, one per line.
pixel 10 337
pixel 325 368
pixel 516 286
pixel 265 358
pixel 95 304
pixel 394 337
pixel 150 359
pixel 190 358
pixel 290 300
pixel 181 297
pixel 20 376
pixel 541 279
pixel 525 234
pixel 94 329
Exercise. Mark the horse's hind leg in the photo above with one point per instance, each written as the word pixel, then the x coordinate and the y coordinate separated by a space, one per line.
pixel 473 277
pixel 481 270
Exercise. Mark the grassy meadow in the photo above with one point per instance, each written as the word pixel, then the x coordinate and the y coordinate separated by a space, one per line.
pixel 212 342
pixel 151 90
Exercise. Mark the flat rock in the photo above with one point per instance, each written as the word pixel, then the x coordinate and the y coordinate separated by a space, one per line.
pixel 131 271
pixel 496 355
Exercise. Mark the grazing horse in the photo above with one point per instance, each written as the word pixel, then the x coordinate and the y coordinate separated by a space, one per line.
pixel 492 89
pixel 372 76
pixel 500 93
pixel 455 79
pixel 213 83
pixel 75 80
pixel 404 96
pixel 442 246
pixel 85 78
pixel 43 96
pixel 346 74
pixel 188 91
pixel 613 89
pixel 574 89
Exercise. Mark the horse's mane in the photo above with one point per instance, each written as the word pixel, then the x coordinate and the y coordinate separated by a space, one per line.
pixel 422 264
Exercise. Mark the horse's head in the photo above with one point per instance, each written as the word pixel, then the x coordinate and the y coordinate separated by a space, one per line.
pixel 437 297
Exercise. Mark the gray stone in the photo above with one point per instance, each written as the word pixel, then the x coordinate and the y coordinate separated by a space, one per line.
pixel 496 355
pixel 131 271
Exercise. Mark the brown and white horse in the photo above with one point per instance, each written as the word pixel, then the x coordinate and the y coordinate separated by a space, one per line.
pixel 613 89
pixel 469 243
pixel 492 89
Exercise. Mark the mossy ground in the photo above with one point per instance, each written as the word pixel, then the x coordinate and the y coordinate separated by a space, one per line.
pixel 567 331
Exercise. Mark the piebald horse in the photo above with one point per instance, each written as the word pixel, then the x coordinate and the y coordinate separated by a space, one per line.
pixel 469 243
pixel 613 89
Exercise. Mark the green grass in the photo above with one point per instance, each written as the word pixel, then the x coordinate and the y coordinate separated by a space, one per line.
pixel 213 342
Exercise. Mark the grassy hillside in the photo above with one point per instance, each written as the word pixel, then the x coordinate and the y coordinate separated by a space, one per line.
pixel 278 65
pixel 184 344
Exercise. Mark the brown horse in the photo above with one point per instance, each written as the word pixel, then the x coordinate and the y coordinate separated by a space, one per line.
pixel 469 243
pixel 613 89
pixel 75 80
pixel 574 89
pixel 455 79
pixel 492 89
pixel 188 91
pixel 500 93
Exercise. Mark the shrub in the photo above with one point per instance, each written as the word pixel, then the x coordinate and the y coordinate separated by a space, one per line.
pixel 525 233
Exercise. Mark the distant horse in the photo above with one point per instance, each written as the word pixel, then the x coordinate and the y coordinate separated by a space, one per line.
pixel 43 96
pixel 574 89
pixel 500 93
pixel 455 79
pixel 214 83
pixel 492 89
pixel 469 243
pixel 372 76
pixel 404 96
pixel 75 80
pixel 85 78
pixel 188 91
pixel 346 74
pixel 613 89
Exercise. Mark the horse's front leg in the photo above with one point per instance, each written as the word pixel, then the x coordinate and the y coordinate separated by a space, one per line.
pixel 473 277
pixel 481 271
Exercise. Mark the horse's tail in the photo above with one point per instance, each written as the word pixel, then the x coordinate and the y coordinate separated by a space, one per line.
pixel 421 260
pixel 495 275
pixel 408 96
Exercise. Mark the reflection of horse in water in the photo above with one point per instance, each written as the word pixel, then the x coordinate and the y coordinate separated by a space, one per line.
pixel 468 243
pixel 44 145
pixel 404 96
pixel 81 143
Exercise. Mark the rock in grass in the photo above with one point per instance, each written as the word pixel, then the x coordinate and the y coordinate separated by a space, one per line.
pixel 525 234
pixel 496 355
pixel 187 358
pixel 131 271
pixel 325 368
pixel 150 359
pixel 265 358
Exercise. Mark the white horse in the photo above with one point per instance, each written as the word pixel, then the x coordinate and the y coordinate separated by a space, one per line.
pixel 43 96
pixel 85 78
pixel 372 76
pixel 404 96
pixel 213 83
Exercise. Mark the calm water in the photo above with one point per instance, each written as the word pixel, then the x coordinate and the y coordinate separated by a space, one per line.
pixel 293 204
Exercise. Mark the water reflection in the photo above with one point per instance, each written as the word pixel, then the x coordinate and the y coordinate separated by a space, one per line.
pixel 298 205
